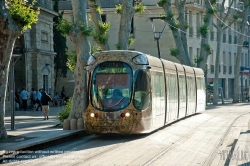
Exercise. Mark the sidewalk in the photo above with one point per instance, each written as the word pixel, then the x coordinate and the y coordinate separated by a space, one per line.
pixel 33 132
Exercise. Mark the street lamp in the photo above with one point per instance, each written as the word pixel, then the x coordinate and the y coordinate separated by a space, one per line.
pixel 12 88
pixel 157 35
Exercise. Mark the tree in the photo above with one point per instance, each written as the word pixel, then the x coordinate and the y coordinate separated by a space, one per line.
pixel 239 50
pixel 222 16
pixel 15 17
pixel 101 35
pixel 60 48
pixel 79 33
pixel 178 27
pixel 127 11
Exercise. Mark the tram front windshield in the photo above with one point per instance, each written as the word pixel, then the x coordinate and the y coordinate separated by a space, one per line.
pixel 111 86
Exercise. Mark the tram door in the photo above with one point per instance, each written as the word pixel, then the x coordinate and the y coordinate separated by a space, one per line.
pixel 191 90
pixel 172 96
pixel 158 98
pixel 182 91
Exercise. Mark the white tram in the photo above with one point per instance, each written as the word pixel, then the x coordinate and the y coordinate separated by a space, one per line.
pixel 130 92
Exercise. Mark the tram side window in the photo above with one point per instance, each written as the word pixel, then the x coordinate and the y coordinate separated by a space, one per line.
pixel 142 90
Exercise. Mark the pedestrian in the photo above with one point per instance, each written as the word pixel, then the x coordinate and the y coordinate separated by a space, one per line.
pixel 17 98
pixel 24 96
pixel 56 99
pixel 33 97
pixel 45 99
pixel 38 100
pixel 63 95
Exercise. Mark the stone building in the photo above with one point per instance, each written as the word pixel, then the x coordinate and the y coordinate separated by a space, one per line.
pixel 195 11
pixel 34 53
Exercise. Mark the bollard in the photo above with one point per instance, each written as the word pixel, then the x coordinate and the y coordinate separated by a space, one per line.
pixel 66 124
pixel 80 123
pixel 73 124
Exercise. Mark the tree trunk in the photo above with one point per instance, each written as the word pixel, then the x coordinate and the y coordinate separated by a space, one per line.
pixel 216 71
pixel 96 17
pixel 83 52
pixel 9 31
pixel 179 37
pixel 181 19
pixel 125 23
pixel 238 58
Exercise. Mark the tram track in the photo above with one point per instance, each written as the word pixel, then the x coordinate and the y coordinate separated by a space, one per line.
pixel 185 137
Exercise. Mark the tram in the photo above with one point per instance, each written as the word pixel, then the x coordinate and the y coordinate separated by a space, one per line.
pixel 130 92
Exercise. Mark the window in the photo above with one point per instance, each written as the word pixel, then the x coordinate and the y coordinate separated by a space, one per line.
pixel 198 52
pixel 246 60
pixel 190 24
pixel 242 59
pixel 44 36
pixel 229 59
pixel 104 17
pixel 142 90
pixel 111 86
pixel 45 83
pixel 198 25
pixel 224 39
pixel 191 54
pixel 224 61
pixel 132 26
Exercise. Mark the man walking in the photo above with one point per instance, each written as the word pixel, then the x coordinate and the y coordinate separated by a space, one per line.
pixel 45 99
pixel 24 96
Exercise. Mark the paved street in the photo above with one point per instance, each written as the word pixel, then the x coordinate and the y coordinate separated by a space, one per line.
pixel 218 136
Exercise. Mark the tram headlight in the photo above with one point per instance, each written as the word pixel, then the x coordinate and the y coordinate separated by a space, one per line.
pixel 91 60
pixel 127 114
pixel 92 115
pixel 140 60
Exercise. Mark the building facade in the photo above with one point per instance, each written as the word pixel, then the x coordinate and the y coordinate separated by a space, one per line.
pixel 195 11
pixel 34 65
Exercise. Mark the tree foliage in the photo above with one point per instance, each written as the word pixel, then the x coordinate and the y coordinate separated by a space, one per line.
pixel 60 47
pixel 23 13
